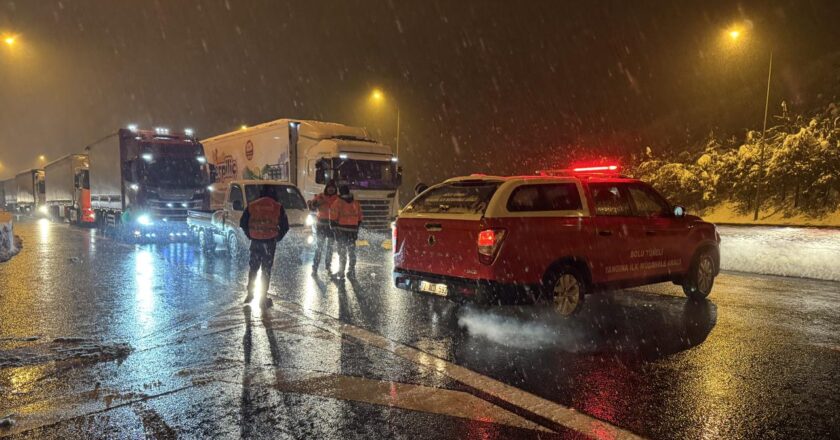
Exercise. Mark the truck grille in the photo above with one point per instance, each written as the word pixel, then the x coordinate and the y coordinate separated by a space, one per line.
pixel 377 214
pixel 173 210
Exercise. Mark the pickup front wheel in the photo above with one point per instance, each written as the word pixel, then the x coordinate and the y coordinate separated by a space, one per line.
pixel 235 249
pixel 567 287
pixel 700 278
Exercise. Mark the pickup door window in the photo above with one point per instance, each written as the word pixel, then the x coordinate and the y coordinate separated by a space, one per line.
pixel 664 233
pixel 617 232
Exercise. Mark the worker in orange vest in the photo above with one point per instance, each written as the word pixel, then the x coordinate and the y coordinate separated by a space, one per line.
pixel 347 215
pixel 264 223
pixel 323 229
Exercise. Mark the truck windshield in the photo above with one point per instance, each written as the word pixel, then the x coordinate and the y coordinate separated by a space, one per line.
pixel 367 174
pixel 288 196
pixel 467 197
pixel 176 172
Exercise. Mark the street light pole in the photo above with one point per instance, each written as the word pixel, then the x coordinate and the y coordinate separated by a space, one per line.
pixel 763 143
pixel 397 105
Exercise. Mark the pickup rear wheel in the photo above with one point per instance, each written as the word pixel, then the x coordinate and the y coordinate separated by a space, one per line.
pixel 567 287
pixel 700 278
pixel 234 248
pixel 205 241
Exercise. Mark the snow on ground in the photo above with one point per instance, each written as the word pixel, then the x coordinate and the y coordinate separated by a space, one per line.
pixel 726 213
pixel 23 353
pixel 786 251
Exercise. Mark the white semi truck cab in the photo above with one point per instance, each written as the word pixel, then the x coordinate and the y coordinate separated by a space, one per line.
pixel 308 154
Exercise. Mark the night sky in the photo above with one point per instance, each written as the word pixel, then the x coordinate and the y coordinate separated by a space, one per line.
pixel 482 86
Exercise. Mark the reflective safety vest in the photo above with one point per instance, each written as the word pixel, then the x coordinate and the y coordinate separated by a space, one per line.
pixel 264 218
pixel 347 215
pixel 323 202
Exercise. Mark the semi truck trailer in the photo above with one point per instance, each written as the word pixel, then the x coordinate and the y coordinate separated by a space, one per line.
pixel 68 189
pixel 30 190
pixel 142 182
pixel 307 154
pixel 10 194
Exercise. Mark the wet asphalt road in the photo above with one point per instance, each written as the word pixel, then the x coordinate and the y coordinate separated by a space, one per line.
pixel 103 339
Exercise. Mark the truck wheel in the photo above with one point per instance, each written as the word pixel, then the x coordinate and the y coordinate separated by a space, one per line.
pixel 234 248
pixel 567 287
pixel 700 278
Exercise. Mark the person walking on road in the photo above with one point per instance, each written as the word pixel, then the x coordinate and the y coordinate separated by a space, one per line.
pixel 347 215
pixel 264 223
pixel 323 230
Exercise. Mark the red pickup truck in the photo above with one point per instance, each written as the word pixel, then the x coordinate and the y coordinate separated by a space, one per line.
pixel 554 236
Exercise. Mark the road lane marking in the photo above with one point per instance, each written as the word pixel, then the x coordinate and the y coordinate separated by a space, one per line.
pixel 412 397
pixel 552 411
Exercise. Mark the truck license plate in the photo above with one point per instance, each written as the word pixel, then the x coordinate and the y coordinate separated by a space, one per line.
pixel 437 289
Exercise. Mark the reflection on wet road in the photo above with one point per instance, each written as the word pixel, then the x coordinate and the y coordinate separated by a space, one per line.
pixel 99 337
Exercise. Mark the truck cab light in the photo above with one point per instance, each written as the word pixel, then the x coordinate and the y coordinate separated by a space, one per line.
pixel 132 127
pixel 161 130
pixel 188 131
pixel 342 156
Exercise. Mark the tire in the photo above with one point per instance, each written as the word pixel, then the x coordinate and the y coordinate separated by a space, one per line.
pixel 698 282
pixel 234 248
pixel 566 287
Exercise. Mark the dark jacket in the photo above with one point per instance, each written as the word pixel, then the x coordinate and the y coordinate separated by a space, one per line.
pixel 282 224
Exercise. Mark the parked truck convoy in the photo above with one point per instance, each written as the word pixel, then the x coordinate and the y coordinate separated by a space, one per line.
pixel 307 154
pixel 29 190
pixel 142 182
pixel 68 189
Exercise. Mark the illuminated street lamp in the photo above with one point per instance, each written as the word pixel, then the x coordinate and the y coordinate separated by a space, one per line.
pixel 734 35
pixel 9 40
pixel 378 98
pixel 42 158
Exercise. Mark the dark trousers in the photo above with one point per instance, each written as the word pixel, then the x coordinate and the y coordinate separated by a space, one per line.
pixel 324 237
pixel 346 249
pixel 262 257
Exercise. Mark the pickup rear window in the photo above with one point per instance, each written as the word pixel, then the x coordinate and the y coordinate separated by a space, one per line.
pixel 465 197
pixel 288 196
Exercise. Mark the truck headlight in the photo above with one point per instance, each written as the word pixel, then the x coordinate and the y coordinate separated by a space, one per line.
pixel 144 220
pixel 310 220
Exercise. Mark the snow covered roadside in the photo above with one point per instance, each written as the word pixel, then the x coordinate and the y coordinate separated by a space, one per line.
pixel 9 244
pixel 785 251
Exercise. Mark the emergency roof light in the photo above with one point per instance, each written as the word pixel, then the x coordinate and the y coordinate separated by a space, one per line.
pixel 595 169
pixel 609 169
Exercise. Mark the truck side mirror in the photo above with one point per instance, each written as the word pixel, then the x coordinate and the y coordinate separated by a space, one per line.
pixel 679 211
pixel 320 178
pixel 211 170
pixel 237 205
pixel 399 176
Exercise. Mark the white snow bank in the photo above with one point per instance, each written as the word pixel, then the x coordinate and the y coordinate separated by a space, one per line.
pixel 9 243
pixel 785 251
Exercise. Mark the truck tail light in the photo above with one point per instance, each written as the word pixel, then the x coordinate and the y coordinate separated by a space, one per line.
pixel 489 242
pixel 394 236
